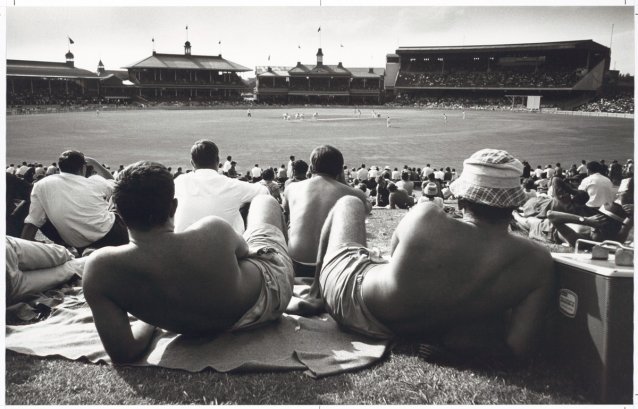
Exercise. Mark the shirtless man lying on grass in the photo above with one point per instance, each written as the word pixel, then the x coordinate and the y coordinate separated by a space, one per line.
pixel 202 281
pixel 446 275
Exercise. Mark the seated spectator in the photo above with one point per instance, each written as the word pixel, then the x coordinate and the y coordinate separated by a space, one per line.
pixel 383 194
pixel 267 179
pixel 431 195
pixel 255 173
pixel 307 204
pixel 299 170
pixel 405 183
pixel 205 192
pixel 200 282
pixel 281 175
pixel 612 222
pixel 598 187
pixel 73 210
pixel 448 280
pixel 399 198
pixel 626 191
pixel 396 175
pixel 33 267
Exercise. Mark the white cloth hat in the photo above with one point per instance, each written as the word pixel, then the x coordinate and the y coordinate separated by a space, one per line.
pixel 491 177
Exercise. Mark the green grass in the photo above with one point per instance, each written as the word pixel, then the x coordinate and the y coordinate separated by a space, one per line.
pixel 400 378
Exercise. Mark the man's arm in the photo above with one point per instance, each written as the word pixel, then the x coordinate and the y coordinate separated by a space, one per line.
pixel 528 318
pixel 29 231
pixel 99 169
pixel 121 342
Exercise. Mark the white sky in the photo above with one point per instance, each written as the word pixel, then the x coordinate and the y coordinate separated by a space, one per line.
pixel 249 34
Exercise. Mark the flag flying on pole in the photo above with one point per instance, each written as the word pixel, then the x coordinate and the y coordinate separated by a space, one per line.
pixel 319 29
pixel 70 41
pixel 299 46
pixel 268 57
pixel 153 39
pixel 186 27
pixel 220 41
pixel 341 45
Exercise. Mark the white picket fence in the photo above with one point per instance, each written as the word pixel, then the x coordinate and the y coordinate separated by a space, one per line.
pixel 583 113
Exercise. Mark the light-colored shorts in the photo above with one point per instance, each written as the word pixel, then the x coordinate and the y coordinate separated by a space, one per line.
pixel 341 277
pixel 32 267
pixel 276 270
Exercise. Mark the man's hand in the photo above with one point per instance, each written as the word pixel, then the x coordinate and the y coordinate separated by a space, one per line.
pixel 596 220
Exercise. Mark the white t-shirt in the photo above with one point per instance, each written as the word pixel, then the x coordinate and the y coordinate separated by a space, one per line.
pixel 362 174
pixel 599 188
pixel 205 192
pixel 582 169
pixel 226 166
pixel 78 207
pixel 255 172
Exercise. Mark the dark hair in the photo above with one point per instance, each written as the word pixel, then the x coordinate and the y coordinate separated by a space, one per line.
pixel 528 183
pixel 71 161
pixel 205 154
pixel 229 157
pixel 268 174
pixel 405 176
pixel 326 159
pixel 143 195
pixel 594 167
pixel 490 214
pixel 392 187
pixel 299 167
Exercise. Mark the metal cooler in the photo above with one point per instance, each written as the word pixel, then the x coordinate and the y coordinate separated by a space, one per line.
pixel 593 324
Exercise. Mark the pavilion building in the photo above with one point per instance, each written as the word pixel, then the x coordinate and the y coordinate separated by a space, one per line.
pixel 319 84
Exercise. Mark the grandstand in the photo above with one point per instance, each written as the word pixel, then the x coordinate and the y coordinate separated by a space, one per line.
pixel 319 84
pixel 32 85
pixel 567 73
pixel 187 77
pixel 50 83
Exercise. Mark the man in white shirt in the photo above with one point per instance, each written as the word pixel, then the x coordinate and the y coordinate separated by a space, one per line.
pixel 11 169
pixel 373 172
pixel 204 192
pixel 255 173
pixel 439 174
pixel 227 165
pixel 598 187
pixel 362 173
pixel 426 171
pixel 549 170
pixel 396 175
pixel 582 169
pixel 73 210
pixel 289 171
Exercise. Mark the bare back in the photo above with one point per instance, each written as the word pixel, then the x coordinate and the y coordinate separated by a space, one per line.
pixel 445 271
pixel 189 282
pixel 308 204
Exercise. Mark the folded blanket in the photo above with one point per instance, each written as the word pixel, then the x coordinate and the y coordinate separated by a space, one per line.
pixel 313 344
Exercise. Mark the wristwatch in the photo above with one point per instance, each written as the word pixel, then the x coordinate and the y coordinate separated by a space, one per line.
pixel 627 221
pixel 581 219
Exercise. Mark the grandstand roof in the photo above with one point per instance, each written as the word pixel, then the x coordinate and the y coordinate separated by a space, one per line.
pixel 25 68
pixel 188 62
pixel 556 45
pixel 120 74
pixel 303 69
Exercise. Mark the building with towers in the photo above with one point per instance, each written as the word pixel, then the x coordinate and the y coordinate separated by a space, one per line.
pixel 319 84
pixel 186 77
pixel 50 83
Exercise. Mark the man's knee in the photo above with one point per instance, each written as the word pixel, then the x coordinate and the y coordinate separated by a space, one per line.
pixel 264 200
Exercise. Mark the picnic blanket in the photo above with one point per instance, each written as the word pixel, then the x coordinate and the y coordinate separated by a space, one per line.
pixel 316 344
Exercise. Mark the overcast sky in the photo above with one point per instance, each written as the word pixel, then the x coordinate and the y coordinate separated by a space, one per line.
pixel 120 36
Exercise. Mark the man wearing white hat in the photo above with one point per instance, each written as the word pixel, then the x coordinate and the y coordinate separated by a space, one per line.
pixel 447 277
